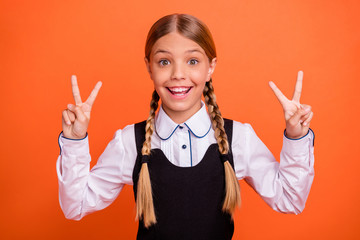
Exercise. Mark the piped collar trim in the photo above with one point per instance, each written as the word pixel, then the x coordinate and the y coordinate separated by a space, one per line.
pixel 199 124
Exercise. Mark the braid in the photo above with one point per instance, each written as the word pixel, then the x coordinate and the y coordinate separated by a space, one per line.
pixel 144 200
pixel 232 189
pixel 216 119
pixel 149 128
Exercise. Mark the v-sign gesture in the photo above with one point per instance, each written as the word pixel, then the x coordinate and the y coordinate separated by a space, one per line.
pixel 297 116
pixel 75 119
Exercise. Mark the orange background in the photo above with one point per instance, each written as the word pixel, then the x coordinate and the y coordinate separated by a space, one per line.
pixel 43 42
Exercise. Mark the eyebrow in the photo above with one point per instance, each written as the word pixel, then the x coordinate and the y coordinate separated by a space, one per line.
pixel 161 51
pixel 167 52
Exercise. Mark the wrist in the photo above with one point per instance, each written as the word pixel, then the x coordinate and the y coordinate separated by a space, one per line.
pixel 295 137
pixel 78 147
pixel 72 137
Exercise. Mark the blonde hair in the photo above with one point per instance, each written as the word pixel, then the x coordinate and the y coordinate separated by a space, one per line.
pixel 194 29
pixel 232 189
pixel 144 201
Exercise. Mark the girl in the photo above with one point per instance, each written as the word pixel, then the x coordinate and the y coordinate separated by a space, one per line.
pixel 183 161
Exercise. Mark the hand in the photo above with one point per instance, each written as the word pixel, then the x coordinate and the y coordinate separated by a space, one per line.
pixel 297 116
pixel 75 119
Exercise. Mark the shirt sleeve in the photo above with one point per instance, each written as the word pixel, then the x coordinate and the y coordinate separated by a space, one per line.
pixel 82 191
pixel 284 186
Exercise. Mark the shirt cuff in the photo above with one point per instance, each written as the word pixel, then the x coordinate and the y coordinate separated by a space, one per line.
pixel 299 146
pixel 73 146
pixel 310 131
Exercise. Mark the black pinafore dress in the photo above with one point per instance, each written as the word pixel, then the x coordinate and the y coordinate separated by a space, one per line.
pixel 188 200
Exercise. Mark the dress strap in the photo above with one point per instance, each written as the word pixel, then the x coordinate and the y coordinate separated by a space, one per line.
pixel 228 125
pixel 140 135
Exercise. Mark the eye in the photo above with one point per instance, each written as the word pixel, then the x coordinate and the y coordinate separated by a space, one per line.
pixel 164 62
pixel 193 62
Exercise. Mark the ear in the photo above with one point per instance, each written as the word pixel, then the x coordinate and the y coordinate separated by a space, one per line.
pixel 148 68
pixel 212 68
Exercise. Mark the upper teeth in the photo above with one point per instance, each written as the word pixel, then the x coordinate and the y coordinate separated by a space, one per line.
pixel 182 89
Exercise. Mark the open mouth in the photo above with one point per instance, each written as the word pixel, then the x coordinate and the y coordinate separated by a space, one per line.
pixel 179 91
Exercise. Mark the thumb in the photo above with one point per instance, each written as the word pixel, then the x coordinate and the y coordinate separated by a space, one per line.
pixel 79 114
pixel 296 118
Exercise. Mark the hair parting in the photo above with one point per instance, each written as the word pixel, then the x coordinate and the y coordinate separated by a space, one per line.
pixel 144 200
pixel 185 24
pixel 232 188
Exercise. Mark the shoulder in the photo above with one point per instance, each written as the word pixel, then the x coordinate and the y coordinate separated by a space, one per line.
pixel 241 133
pixel 129 134
pixel 126 132
pixel 125 138
pixel 241 128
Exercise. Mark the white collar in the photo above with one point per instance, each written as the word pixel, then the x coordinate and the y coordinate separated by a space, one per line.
pixel 199 124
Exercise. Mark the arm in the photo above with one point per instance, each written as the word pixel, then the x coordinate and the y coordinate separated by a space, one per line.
pixel 285 186
pixel 82 191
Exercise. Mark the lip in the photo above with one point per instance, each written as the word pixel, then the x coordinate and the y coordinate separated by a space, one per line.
pixel 179 92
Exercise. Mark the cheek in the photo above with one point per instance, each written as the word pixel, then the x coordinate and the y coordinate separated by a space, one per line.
pixel 159 79
pixel 159 75
pixel 200 76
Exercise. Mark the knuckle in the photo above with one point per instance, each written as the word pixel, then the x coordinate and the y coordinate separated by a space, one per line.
pixel 82 119
pixel 306 106
pixel 78 110
pixel 70 113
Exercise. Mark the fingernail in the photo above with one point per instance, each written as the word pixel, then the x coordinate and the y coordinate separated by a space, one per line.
pixel 68 123
pixel 70 106
pixel 305 123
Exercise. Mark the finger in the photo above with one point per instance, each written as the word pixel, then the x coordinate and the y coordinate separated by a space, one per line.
pixel 298 115
pixel 304 117
pixel 75 90
pixel 65 117
pixel 298 87
pixel 71 115
pixel 304 110
pixel 79 114
pixel 307 121
pixel 91 99
pixel 305 106
pixel 280 96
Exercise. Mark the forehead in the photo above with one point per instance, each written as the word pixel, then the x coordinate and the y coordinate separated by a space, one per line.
pixel 175 43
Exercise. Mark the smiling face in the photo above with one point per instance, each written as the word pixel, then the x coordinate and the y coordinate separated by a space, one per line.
pixel 179 69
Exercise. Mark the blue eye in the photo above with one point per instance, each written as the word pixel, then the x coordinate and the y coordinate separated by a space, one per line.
pixel 164 62
pixel 193 61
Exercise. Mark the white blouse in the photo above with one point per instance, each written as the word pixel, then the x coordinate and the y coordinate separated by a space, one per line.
pixel 284 187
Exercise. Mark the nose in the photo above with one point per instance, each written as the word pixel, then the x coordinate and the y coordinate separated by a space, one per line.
pixel 178 72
